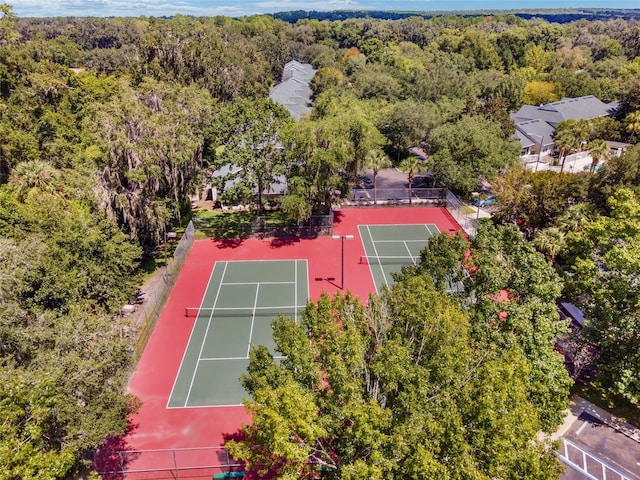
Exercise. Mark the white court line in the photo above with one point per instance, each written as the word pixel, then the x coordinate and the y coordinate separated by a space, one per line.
pixel 398 241
pixel 306 264
pixel 208 406
pixel 213 359
pixel 184 354
pixel 204 338
pixel 399 224
pixel 285 309
pixel 253 318
pixel 413 260
pixel 384 277
pixel 224 359
pixel 261 260
pixel 295 291
pixel 253 309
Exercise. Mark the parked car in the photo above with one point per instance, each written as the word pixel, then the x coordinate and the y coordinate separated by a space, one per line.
pixel 485 200
pixel 419 182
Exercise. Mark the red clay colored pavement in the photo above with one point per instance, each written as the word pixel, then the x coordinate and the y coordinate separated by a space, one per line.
pixel 156 427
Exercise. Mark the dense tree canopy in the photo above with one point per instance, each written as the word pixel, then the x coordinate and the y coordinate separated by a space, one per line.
pixel 389 390
pixel 412 383
pixel 471 149
pixel 603 259
pixel 108 125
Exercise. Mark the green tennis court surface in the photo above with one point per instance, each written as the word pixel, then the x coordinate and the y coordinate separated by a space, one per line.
pixel 389 247
pixel 237 309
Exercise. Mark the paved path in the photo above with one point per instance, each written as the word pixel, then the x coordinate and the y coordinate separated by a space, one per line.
pixel 600 433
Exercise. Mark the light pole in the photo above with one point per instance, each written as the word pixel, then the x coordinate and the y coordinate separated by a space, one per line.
pixel 342 238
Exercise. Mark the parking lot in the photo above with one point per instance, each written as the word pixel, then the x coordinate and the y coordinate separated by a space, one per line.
pixel 604 452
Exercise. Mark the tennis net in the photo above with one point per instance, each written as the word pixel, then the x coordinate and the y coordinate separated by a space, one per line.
pixel 247 312
pixel 388 260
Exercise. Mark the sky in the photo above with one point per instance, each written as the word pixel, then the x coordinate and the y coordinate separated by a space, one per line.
pixel 159 8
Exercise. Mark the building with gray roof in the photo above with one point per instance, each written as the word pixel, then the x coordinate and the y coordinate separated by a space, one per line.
pixel 580 108
pixel 536 125
pixel 533 134
pixel 294 92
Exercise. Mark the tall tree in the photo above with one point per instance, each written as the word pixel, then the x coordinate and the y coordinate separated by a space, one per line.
pixel 317 150
pixel 411 165
pixel 536 199
pixel 34 178
pixel 151 141
pixel 357 127
pixel 603 259
pixel 470 149
pixel 376 160
pixel 632 124
pixel 406 124
pixel 389 390
pixel 598 149
pixel 570 136
pixel 253 143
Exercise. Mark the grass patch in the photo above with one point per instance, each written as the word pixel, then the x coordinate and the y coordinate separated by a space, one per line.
pixel 599 395
pixel 228 225
pixel 467 210
pixel 223 225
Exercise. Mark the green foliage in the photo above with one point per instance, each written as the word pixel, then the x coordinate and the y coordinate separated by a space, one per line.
pixel 391 388
pixel 537 199
pixel 29 421
pixel 504 265
pixel 468 150
pixel 117 144
pixel 623 171
pixel 251 138
pixel 538 93
pixel 603 259
pixel 151 140
pixel 411 166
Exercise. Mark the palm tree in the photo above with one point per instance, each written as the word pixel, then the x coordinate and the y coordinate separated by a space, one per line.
pixel 411 166
pixel 567 143
pixel 598 150
pixel 632 124
pixel 570 135
pixel 550 241
pixel 34 176
pixel 575 218
pixel 376 160
pixel 515 193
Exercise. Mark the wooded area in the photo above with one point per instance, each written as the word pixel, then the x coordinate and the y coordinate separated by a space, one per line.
pixel 107 126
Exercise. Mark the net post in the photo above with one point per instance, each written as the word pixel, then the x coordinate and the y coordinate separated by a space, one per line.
pixel 186 311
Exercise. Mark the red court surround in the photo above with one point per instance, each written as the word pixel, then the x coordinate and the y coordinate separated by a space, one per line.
pixel 155 426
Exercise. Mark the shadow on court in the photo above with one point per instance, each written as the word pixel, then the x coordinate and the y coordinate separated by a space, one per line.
pixel 109 460
pixel 229 242
pixel 279 242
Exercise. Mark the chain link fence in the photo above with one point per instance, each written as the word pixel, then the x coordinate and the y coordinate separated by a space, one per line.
pixel 155 298
pixel 239 225
pixel 363 197
pixel 459 211
pixel 174 463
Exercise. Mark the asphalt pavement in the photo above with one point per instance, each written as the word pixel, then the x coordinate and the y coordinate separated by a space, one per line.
pixel 598 443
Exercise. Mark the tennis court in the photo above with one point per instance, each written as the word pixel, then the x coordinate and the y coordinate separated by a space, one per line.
pixel 240 302
pixel 389 247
